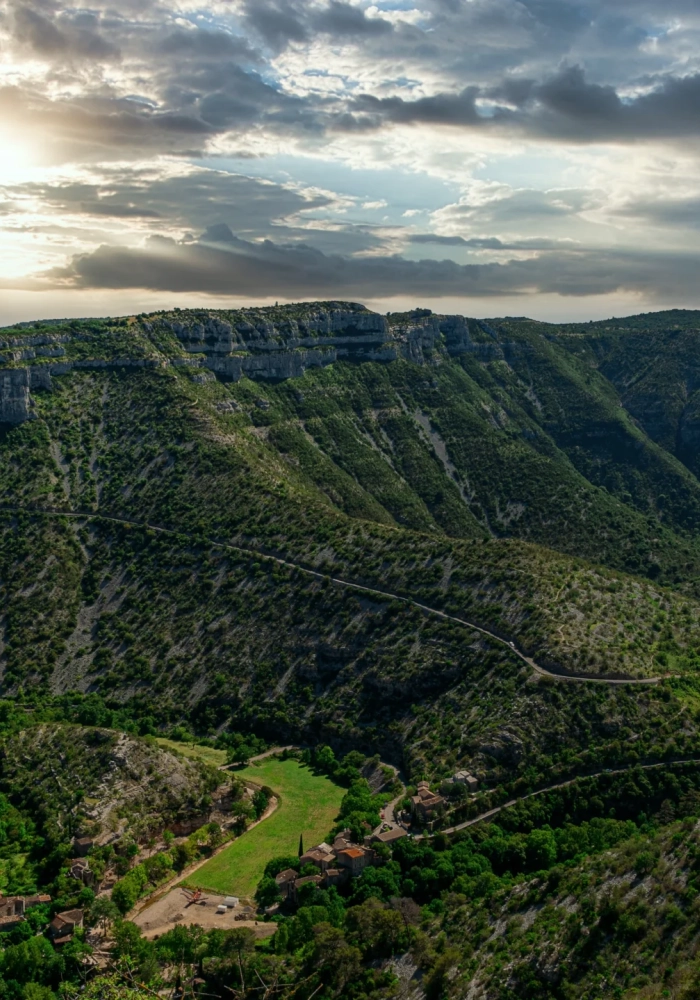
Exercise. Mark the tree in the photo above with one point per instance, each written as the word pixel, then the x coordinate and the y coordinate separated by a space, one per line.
pixel 240 754
pixel 267 892
pixel 376 928
pixel 214 834
pixel 33 991
pixel 103 911
pixel 541 849
pixel 336 961
pixel 280 864
pixel 32 960
pixel 107 988
pixel 124 894
pixel 324 759
pixel 301 844
pixel 408 910
pixel 239 942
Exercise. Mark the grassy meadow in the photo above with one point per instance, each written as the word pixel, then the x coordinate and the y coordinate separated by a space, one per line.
pixel 308 805
pixel 208 755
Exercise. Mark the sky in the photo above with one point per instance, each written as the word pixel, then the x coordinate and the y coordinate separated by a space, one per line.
pixel 485 157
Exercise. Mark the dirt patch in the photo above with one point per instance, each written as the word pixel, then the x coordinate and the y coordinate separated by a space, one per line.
pixel 164 913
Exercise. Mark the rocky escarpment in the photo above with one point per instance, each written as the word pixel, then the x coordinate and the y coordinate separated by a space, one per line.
pixel 270 344
pixel 275 343
pixel 14 395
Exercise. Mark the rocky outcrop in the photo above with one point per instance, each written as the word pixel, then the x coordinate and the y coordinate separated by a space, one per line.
pixel 289 364
pixel 351 326
pixel 14 396
pixel 280 345
pixel 275 344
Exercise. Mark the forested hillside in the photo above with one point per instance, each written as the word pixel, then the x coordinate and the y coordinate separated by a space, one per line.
pixel 454 543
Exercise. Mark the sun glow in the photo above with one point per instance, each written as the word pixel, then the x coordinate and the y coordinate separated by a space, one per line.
pixel 16 158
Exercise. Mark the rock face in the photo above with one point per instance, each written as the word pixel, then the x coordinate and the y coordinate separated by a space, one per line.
pixel 275 344
pixel 282 347
pixel 14 395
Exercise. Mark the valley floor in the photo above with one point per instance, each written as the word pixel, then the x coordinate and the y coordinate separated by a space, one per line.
pixel 308 805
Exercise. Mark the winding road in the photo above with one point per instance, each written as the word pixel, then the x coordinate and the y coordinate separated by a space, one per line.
pixel 383 594
pixel 552 788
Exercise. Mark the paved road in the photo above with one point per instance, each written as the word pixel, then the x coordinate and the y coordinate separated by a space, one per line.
pixel 553 788
pixel 384 594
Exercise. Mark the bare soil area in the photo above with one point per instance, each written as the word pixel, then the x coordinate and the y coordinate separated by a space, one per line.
pixel 170 909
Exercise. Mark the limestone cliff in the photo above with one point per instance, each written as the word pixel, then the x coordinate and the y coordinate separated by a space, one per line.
pixel 274 343
pixel 14 395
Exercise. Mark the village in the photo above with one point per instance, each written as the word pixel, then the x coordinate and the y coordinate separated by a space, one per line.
pixel 335 864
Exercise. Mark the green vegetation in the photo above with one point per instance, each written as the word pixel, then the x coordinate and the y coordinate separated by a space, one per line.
pixel 308 806
pixel 195 751
pixel 167 543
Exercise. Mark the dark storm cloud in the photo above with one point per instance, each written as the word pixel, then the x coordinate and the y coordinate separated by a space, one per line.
pixel 204 199
pixel 442 109
pixel 197 199
pixel 565 107
pixel 210 79
pixel 206 44
pixel 88 127
pixel 280 22
pixel 678 213
pixel 580 111
pixel 488 242
pixel 76 35
pixel 262 269
pixel 276 22
pixel 343 19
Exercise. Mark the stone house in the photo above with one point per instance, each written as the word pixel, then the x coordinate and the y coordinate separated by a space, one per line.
pixel 342 841
pixel 355 859
pixel 316 880
pixel 285 880
pixel 335 876
pixel 79 868
pixel 388 836
pixel 38 900
pixel 13 908
pixel 81 846
pixel 467 779
pixel 64 925
pixel 322 858
pixel 425 803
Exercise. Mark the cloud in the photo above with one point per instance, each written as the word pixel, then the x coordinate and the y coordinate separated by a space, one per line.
pixel 76 35
pixel 189 198
pixel 573 109
pixel 490 242
pixel 276 22
pixel 677 213
pixel 483 109
pixel 565 107
pixel 207 44
pixel 343 19
pixel 266 269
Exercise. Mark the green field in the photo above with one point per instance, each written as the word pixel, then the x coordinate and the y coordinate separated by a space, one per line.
pixel 308 806
pixel 207 754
